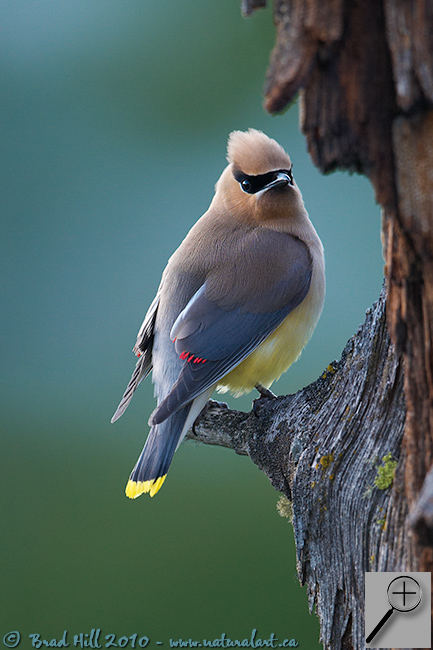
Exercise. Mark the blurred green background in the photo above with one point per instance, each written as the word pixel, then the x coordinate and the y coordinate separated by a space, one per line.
pixel 115 116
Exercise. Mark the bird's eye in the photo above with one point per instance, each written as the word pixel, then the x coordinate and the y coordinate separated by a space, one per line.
pixel 246 185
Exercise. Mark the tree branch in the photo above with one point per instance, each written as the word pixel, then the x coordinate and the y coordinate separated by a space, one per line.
pixel 322 448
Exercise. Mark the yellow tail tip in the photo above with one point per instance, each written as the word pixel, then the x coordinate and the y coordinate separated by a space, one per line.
pixel 134 489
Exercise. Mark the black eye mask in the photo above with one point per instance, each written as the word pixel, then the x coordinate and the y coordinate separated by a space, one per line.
pixel 253 184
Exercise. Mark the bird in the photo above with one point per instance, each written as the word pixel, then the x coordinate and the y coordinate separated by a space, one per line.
pixel 237 302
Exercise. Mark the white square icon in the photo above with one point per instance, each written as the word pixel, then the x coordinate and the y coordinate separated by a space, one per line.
pixel 397 610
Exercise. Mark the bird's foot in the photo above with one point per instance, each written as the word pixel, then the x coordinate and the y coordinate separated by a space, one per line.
pixel 265 394
pixel 211 405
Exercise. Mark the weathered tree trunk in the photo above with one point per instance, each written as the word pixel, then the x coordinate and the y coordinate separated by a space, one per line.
pixel 365 73
pixel 323 448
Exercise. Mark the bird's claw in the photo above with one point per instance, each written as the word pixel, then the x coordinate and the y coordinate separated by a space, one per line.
pixel 265 394
pixel 211 405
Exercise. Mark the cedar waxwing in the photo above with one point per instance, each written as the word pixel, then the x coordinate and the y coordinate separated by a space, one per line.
pixel 237 303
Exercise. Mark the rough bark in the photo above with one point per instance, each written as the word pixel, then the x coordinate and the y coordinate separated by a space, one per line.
pixel 322 448
pixel 364 72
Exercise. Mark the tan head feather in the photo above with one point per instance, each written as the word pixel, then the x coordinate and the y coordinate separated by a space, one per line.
pixel 253 153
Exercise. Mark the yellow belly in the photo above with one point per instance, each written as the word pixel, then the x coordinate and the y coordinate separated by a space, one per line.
pixel 276 354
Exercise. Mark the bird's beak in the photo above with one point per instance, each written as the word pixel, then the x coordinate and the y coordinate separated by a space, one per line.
pixel 282 179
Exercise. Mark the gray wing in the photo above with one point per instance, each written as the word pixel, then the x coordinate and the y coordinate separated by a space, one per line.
pixel 212 340
pixel 143 350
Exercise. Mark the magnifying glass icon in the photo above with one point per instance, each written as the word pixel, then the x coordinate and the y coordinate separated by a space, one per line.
pixel 404 594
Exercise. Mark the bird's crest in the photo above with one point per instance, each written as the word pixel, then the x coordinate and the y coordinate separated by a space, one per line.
pixel 255 153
